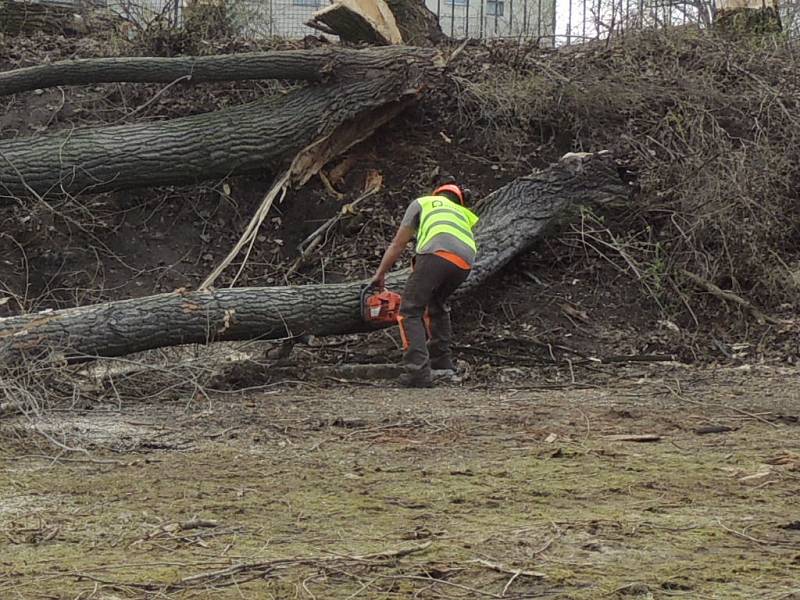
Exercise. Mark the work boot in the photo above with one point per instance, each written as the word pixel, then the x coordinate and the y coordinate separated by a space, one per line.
pixel 444 363
pixel 420 379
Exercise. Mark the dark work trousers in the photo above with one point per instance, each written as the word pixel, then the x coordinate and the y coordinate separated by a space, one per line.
pixel 424 310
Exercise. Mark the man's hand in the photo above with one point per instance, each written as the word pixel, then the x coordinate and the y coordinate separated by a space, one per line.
pixel 393 252
pixel 378 281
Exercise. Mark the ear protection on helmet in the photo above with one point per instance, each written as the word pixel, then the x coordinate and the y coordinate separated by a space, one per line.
pixel 453 189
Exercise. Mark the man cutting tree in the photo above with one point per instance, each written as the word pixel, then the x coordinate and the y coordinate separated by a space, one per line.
pixel 445 252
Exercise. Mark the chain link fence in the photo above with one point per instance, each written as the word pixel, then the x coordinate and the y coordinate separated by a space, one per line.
pixel 524 19
pixel 548 22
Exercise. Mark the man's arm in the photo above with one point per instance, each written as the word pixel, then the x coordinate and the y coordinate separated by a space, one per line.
pixel 401 238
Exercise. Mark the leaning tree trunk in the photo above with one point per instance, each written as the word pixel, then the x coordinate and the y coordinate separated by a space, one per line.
pixel 418 25
pixel 514 217
pixel 237 140
pixel 328 64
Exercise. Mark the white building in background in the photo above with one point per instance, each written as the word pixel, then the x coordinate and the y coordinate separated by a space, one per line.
pixel 524 19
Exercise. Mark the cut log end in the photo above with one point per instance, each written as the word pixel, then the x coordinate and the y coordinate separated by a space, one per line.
pixel 358 21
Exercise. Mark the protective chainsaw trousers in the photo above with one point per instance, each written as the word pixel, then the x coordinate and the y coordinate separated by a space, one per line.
pixel 425 316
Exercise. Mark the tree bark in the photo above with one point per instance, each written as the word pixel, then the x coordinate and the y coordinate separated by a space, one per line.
pixel 190 149
pixel 741 18
pixel 513 218
pixel 417 24
pixel 26 18
pixel 329 64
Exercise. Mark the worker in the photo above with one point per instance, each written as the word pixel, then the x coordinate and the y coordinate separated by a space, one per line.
pixel 445 252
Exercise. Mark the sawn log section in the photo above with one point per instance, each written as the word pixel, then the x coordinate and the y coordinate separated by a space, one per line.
pixel 512 219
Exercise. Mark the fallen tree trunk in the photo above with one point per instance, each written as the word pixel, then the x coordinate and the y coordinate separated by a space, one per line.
pixel 328 64
pixel 190 149
pixel 513 218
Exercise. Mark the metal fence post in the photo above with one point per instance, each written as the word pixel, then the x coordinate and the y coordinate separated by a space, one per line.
pixel 569 23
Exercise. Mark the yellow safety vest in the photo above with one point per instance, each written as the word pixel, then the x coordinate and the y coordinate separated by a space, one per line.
pixel 440 215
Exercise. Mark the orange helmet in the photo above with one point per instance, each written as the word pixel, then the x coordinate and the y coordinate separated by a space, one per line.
pixel 453 189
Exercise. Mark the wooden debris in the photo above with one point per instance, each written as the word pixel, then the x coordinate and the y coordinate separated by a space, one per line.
pixel 337 174
pixel 357 21
pixel 641 438
pixel 713 429
pixel 756 478
pixel 509 570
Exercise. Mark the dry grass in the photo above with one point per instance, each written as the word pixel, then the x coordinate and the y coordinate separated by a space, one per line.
pixel 709 127
pixel 285 494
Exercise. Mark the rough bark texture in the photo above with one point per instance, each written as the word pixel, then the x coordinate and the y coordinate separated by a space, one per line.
pixel 339 64
pixel 514 217
pixel 242 139
pixel 368 21
pixel 25 18
pixel 743 22
pixel 418 25
pixel 741 18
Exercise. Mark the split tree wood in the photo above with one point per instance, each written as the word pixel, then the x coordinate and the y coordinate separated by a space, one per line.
pixel 512 219
pixel 368 21
pixel 379 22
pixel 242 139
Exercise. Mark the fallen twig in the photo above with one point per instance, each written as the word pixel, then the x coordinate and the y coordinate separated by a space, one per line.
pixel 503 569
pixel 641 438
pixel 312 241
pixel 682 398
pixel 730 297
pixel 228 575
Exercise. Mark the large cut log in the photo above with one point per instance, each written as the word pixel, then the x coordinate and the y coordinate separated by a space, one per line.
pixel 512 219
pixel 329 64
pixel 241 139
pixel 368 21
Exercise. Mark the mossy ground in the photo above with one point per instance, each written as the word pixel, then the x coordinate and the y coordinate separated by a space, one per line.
pixel 334 474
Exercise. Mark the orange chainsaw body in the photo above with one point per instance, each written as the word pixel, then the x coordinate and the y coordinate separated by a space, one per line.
pixel 380 307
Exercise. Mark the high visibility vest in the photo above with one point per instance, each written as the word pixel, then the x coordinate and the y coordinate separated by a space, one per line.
pixel 440 215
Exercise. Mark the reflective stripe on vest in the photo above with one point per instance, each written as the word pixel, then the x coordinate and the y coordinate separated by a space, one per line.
pixel 439 215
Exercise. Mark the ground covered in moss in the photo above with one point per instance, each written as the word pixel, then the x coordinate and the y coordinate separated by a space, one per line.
pixel 335 491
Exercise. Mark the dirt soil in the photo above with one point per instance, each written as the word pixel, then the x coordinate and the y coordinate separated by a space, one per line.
pixel 324 490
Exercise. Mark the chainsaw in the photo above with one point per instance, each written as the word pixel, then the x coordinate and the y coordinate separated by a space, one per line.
pixel 380 307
